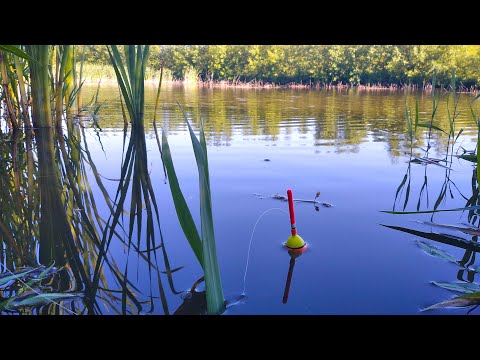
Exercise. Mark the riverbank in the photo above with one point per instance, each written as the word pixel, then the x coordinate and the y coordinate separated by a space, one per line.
pixel 94 73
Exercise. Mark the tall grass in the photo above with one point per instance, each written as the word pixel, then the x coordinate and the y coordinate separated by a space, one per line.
pixel 50 79
pixel 95 72
pixel 130 77
pixel 204 247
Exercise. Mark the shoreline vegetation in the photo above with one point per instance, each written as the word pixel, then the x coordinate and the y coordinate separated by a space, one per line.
pixel 365 67
pixel 153 81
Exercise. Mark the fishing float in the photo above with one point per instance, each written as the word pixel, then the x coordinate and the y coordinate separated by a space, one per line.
pixel 294 243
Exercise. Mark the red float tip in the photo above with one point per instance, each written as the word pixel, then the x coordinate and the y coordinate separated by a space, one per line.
pixel 292 212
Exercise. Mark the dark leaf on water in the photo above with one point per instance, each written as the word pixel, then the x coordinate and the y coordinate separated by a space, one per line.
pixel 172 270
pixel 401 185
pixel 466 230
pixel 468 157
pixel 430 126
pixel 441 238
pixel 475 98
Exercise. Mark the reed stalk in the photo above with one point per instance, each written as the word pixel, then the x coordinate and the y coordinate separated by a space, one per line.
pixel 40 85
pixel 23 95
pixel 6 92
pixel 70 84
pixel 60 76
pixel 204 247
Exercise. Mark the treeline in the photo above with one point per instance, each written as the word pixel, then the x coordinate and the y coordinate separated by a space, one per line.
pixel 323 64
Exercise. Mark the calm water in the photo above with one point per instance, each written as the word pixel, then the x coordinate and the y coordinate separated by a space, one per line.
pixel 348 145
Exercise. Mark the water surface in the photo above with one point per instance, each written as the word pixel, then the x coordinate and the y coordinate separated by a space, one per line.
pixel 351 146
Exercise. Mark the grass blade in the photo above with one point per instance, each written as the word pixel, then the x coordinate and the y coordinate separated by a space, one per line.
pixel 462 287
pixel 183 213
pixel 17 51
pixel 213 284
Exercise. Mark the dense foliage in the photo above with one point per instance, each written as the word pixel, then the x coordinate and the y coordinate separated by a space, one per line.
pixel 324 64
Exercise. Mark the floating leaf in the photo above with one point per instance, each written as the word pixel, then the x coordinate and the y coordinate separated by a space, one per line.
pixel 442 238
pixel 7 278
pixel 172 270
pixel 463 287
pixel 466 230
pixel 42 272
pixel 34 300
pixel 435 251
pixel 427 161
pixel 457 302
pixel 430 126
pixel 475 207
pixel 468 157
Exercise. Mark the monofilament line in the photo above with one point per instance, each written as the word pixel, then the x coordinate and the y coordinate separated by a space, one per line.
pixel 35 291
pixel 250 245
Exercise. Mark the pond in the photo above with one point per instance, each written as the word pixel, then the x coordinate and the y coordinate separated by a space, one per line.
pixel 351 146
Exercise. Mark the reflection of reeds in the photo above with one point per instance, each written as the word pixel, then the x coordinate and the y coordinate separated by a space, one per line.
pixel 59 217
pixel 134 168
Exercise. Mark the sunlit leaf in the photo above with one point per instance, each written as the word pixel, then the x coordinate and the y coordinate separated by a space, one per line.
pixel 16 51
pixel 213 283
pixel 457 302
pixel 183 212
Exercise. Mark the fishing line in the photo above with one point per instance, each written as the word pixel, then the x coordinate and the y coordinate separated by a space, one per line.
pixel 250 245
pixel 35 291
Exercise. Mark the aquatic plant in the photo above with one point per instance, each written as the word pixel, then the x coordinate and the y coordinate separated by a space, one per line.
pixel 470 290
pixel 203 246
